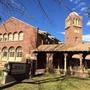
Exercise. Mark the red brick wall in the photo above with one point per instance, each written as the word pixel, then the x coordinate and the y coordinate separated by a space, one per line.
pixel 31 40
pixel 70 34
pixel 14 25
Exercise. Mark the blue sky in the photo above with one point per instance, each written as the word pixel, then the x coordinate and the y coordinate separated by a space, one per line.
pixel 56 13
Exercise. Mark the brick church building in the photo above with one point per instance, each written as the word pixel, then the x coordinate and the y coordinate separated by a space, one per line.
pixel 73 55
pixel 18 38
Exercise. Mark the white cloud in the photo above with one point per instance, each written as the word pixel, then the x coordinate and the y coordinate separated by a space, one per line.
pixel 83 9
pixel 63 33
pixel 82 4
pixel 86 37
pixel 76 1
pixel 88 23
pixel 70 0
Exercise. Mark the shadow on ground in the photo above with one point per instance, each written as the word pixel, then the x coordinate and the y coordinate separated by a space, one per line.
pixel 47 80
pixel 32 81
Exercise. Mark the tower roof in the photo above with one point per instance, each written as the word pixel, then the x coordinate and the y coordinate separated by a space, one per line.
pixel 73 13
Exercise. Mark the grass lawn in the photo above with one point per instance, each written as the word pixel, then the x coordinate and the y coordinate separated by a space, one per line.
pixel 52 82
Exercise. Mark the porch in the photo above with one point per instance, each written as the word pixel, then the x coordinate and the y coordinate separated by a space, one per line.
pixel 67 62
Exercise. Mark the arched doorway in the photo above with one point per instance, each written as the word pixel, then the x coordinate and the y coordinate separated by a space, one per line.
pixel 75 62
pixel 87 62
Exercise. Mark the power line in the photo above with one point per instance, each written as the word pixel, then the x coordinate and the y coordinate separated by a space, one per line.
pixel 12 6
pixel 61 2
pixel 39 3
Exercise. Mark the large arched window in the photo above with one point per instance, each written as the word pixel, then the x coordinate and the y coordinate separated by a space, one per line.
pixel 11 52
pixel 1 37
pixel 5 52
pixel 10 37
pixel 21 35
pixel 5 37
pixel 19 51
pixel 15 36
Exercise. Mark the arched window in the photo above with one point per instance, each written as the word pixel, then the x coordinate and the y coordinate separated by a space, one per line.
pixel 19 51
pixel 15 36
pixel 21 35
pixel 5 52
pixel 10 37
pixel 1 37
pixel 11 52
pixel 5 37
pixel 76 21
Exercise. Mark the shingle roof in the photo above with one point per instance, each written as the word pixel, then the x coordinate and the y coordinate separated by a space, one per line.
pixel 53 47
pixel 63 47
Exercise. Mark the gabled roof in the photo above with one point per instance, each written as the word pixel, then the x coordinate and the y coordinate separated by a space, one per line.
pixel 13 24
pixel 16 19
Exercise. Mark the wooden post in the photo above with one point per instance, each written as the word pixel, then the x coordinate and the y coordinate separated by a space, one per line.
pixel 65 63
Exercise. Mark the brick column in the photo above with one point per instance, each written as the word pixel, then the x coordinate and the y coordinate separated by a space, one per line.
pixel 81 58
pixel 49 62
pixel 82 70
pixel 65 63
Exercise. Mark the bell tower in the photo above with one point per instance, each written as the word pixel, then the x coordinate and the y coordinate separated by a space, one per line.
pixel 73 29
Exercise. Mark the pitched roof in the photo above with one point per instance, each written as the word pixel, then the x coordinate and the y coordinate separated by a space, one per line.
pixel 63 47
pixel 16 19
pixel 74 13
pixel 52 47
